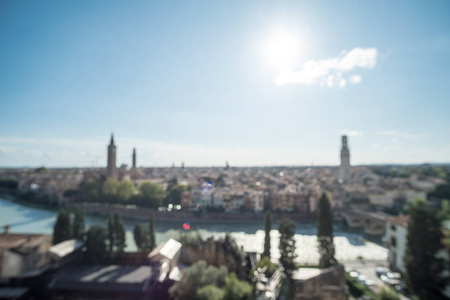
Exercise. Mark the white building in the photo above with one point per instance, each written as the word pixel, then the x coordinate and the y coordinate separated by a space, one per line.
pixel 395 239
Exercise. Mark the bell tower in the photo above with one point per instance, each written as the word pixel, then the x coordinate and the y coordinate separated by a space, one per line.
pixel 344 168
pixel 111 169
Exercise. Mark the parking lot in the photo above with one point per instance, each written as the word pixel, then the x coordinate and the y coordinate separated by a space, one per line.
pixel 367 268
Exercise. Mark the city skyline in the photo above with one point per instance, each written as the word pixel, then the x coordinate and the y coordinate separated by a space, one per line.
pixel 256 83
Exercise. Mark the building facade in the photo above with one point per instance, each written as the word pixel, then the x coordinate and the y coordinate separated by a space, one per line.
pixel 111 169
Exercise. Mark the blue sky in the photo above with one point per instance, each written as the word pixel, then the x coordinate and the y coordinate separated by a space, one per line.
pixel 251 82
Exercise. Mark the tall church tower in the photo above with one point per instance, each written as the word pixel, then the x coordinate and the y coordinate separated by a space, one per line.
pixel 134 158
pixel 111 169
pixel 344 168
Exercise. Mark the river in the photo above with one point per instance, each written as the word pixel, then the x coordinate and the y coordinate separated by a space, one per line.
pixel 349 245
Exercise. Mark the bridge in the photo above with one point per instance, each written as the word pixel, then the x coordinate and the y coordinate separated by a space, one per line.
pixel 373 222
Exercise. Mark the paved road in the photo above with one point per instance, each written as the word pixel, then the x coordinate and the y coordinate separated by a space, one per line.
pixel 367 268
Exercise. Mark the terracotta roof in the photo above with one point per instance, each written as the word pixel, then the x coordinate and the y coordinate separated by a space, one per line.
pixel 401 220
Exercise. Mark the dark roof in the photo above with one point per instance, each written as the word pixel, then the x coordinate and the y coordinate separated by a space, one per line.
pixel 108 278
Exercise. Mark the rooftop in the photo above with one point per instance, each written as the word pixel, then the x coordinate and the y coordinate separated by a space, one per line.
pixel 66 247
pixel 401 220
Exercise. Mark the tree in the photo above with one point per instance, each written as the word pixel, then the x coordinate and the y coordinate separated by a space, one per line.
pixel 125 190
pixel 387 294
pixel 424 240
pixel 209 292
pixel 152 194
pixel 151 234
pixel 325 233
pixel 235 289
pixel 268 228
pixel 95 244
pixel 120 233
pixel 116 235
pixel 62 230
pixel 174 194
pixel 197 276
pixel 79 225
pixel 89 191
pixel 111 186
pixel 286 228
pixel 139 236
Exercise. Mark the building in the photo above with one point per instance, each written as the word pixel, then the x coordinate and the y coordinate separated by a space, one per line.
pixel 344 168
pixel 111 169
pixel 22 252
pixel 395 239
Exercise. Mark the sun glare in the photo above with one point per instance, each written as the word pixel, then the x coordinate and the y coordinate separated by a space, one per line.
pixel 282 49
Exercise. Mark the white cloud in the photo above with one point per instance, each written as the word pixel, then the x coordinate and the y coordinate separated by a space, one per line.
pixel 394 133
pixel 329 72
pixel 355 79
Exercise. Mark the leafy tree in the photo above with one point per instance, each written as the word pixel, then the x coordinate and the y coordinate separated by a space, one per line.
pixel 387 294
pixel 209 292
pixel 95 244
pixel 424 240
pixel 42 170
pixel 89 191
pixel 79 225
pixel 152 194
pixel 268 228
pixel 62 230
pixel 286 228
pixel 197 276
pixel 125 189
pixel 8 184
pixel 235 289
pixel 111 187
pixel 174 194
pixel 325 233
pixel 151 234
pixel 440 193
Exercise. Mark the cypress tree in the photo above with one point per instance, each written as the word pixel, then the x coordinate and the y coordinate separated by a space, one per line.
pixel 79 225
pixel 62 230
pixel 424 240
pixel 119 234
pixel 151 233
pixel 286 228
pixel 268 228
pixel 111 235
pixel 95 244
pixel 139 236
pixel 325 233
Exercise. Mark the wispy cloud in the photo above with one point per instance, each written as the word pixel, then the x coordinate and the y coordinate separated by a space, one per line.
pixel 332 71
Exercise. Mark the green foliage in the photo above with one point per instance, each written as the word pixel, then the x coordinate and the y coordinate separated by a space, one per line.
pixel 79 225
pixel 8 184
pixel 268 228
pixel 440 193
pixel 95 244
pixel 139 236
pixel 209 292
pixel 357 289
pixel 174 194
pixel 111 187
pixel 286 228
pixel 116 235
pixel 70 193
pixel 387 294
pixel 268 265
pixel 152 194
pixel 235 289
pixel 197 276
pixel 62 230
pixel 151 234
pixel 89 191
pixel 424 240
pixel 42 170
pixel 125 190
pixel 230 246
pixel 325 233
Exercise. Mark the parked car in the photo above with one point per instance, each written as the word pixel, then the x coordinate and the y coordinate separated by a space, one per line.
pixel 381 271
pixel 392 279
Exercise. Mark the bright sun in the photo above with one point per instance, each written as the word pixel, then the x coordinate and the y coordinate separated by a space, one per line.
pixel 282 49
